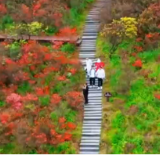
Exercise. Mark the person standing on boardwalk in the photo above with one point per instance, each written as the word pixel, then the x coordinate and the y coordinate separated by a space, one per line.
pixel 101 76
pixel 88 65
pixel 92 76
pixel 85 93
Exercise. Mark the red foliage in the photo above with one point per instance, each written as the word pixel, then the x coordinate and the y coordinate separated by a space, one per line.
pixel 3 9
pixel 53 132
pixel 55 99
pixel 134 54
pixel 4 118
pixel 138 48
pixel 58 18
pixel 74 98
pixel 67 31
pixel 30 97
pixel 49 69
pixel 42 91
pixel 48 57
pixel 67 136
pixel 26 11
pixel 61 78
pixel 138 63
pixel 139 39
pixel 62 120
pixel 62 59
pixel 57 44
pixel 73 71
pixel 41 138
pixel 15 101
pixel 71 125
pixel 157 96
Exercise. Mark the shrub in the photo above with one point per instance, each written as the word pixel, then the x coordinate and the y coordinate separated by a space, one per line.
pixel 24 88
pixel 44 101
pixel 149 20
pixel 120 30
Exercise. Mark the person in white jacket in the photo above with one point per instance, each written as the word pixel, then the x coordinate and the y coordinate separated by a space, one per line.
pixel 88 65
pixel 98 60
pixel 92 76
pixel 101 76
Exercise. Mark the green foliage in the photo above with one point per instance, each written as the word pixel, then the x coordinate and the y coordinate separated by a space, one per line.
pixel 57 88
pixel 32 152
pixel 74 17
pixel 71 116
pixel 42 113
pixel 118 141
pixel 48 79
pixel 118 121
pixel 149 56
pixel 53 116
pixel 24 88
pixel 68 48
pixel 2 104
pixel 44 101
pixel 6 22
pixel 51 30
pixel 14 50
pixel 7 148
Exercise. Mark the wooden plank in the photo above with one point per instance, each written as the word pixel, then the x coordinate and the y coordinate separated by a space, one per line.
pixel 74 39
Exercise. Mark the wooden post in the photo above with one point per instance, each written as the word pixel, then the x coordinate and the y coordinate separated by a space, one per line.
pixel 108 95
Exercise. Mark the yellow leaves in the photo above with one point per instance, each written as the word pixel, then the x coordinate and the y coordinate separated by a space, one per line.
pixel 125 27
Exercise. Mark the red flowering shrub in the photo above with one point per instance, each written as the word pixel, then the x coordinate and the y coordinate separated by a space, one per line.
pixel 61 78
pixel 138 48
pixel 149 20
pixel 55 99
pixel 74 99
pixel 157 96
pixel 138 63
pixel 71 125
pixel 62 120
pixel 67 31
pixel 57 44
pixel 4 118
pixel 30 97
pixel 15 101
